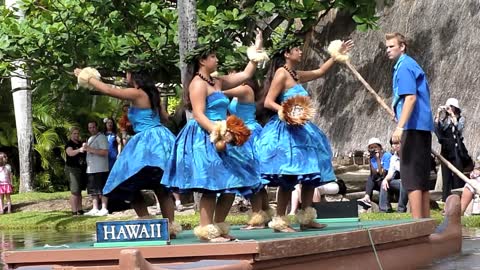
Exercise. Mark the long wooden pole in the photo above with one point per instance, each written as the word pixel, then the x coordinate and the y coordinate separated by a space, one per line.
pixel 460 174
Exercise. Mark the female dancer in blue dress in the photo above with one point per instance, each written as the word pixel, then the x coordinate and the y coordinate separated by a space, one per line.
pixel 290 154
pixel 195 164
pixel 141 163
pixel 244 106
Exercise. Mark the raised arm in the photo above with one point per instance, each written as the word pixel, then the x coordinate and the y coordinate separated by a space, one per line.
pixel 234 80
pixel 120 93
pixel 305 76
pixel 198 96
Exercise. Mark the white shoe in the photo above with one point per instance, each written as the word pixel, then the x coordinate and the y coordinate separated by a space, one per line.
pixel 103 212
pixel 92 212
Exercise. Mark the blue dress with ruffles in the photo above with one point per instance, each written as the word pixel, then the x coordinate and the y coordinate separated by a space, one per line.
pixel 141 163
pixel 195 164
pixel 289 155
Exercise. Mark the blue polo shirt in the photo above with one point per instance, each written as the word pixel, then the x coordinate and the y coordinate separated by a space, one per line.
pixel 385 160
pixel 409 79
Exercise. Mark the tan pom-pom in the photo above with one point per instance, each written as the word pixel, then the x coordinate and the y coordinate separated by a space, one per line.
pixel 224 228
pixel 257 218
pixel 281 115
pixel 85 75
pixel 297 110
pixel 238 129
pixel 207 232
pixel 279 223
pixel 334 49
pixel 306 216
pixel 174 228
pixel 255 55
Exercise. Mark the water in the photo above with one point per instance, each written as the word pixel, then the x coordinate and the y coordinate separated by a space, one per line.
pixel 468 259
pixel 21 239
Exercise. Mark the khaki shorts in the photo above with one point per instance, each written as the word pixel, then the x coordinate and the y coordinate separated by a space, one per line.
pixel 77 179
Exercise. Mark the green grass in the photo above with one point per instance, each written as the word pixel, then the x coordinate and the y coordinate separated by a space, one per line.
pixel 39 196
pixel 63 220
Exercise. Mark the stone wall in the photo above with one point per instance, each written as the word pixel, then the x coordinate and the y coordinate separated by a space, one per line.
pixel 445 40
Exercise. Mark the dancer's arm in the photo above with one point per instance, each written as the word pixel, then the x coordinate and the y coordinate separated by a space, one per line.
pixel 234 80
pixel 198 95
pixel 305 76
pixel 277 86
pixel 120 93
pixel 242 92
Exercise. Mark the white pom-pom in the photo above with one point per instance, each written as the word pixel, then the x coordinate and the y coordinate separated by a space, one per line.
pixel 256 55
pixel 334 49
pixel 86 74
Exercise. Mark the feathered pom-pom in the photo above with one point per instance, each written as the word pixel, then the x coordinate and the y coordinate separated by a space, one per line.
pixel 306 216
pixel 219 131
pixel 335 51
pixel 297 110
pixel 174 228
pixel 258 218
pixel 232 130
pixel 239 131
pixel 224 228
pixel 279 223
pixel 85 75
pixel 207 232
pixel 255 55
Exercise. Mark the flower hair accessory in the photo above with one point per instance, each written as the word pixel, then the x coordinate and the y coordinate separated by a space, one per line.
pixel 85 75
pixel 297 110
pixel 232 130
pixel 335 51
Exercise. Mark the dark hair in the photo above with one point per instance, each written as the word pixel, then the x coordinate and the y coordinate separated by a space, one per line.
pixel 114 126
pixel 92 121
pixel 192 69
pixel 144 81
pixel 278 60
pixel 456 110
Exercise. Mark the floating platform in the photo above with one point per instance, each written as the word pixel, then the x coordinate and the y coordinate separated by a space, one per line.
pixel 395 244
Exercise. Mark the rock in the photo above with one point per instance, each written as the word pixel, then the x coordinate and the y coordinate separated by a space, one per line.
pixel 442 40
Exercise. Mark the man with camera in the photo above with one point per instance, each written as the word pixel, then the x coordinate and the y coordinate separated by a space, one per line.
pixel 379 165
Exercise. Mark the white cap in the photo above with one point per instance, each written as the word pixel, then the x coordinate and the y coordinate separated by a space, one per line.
pixel 374 141
pixel 452 102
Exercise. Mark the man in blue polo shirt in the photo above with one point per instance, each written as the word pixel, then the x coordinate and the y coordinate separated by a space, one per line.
pixel 411 103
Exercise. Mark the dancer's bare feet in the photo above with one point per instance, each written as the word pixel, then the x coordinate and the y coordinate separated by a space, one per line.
pixel 220 239
pixel 228 236
pixel 285 230
pixel 253 227
pixel 312 226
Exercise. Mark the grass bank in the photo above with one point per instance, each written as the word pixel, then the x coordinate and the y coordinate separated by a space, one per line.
pixel 62 220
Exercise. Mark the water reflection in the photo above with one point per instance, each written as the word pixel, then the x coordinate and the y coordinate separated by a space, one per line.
pixel 468 259
pixel 11 240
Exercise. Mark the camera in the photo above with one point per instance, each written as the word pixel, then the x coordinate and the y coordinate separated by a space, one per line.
pixel 442 112
pixel 372 153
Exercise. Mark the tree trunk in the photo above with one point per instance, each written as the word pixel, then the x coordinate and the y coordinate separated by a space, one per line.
pixel 22 103
pixel 187 31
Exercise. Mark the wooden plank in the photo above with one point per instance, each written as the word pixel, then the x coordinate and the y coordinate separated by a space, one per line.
pixel 302 246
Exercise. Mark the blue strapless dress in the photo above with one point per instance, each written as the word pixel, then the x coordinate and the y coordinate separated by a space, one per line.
pixel 144 157
pixel 289 155
pixel 195 164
